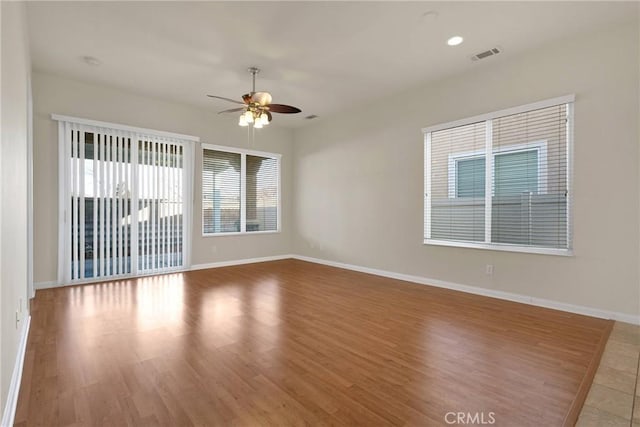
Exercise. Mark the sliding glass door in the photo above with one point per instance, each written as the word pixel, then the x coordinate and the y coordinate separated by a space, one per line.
pixel 122 203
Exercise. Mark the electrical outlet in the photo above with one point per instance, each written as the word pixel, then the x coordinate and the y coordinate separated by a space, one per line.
pixel 489 270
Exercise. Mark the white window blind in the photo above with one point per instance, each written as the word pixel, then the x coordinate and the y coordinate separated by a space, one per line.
pixel 262 193
pixel 121 201
pixel 502 180
pixel 221 191
pixel 240 191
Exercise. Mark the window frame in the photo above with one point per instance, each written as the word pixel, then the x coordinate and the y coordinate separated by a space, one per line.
pixel 540 146
pixel 243 152
pixel 488 117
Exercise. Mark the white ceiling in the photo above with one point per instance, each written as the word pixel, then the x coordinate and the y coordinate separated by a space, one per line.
pixel 320 56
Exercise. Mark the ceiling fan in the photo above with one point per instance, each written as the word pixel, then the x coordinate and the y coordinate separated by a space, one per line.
pixel 256 106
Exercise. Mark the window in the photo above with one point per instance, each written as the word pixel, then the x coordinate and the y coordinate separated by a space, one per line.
pixel 517 169
pixel 240 191
pixel 515 198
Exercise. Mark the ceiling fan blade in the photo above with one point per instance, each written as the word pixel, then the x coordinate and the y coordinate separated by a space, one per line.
pixel 226 99
pixel 232 110
pixel 281 108
pixel 246 98
pixel 269 115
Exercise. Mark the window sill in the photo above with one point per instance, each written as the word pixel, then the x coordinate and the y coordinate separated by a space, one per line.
pixel 240 233
pixel 501 247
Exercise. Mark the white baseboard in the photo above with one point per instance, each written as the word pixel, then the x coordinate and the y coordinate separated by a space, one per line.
pixel 9 414
pixel 45 285
pixel 240 262
pixel 541 302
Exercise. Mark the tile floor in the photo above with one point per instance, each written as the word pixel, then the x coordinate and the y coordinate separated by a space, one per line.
pixel 614 398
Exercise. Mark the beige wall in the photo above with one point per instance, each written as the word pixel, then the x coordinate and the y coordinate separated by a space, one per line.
pixel 358 182
pixel 13 186
pixel 54 94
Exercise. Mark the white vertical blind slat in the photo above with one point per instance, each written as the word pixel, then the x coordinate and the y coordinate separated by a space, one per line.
pixel 163 198
pixel 108 207
pixel 94 242
pixel 74 203
pixel 134 204
pixel 114 205
pixel 170 199
pixel 127 219
pixel 81 193
pixel 66 262
pixel 143 202
pixel 102 198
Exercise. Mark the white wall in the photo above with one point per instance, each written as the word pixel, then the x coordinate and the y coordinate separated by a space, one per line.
pixel 358 182
pixel 14 95
pixel 59 95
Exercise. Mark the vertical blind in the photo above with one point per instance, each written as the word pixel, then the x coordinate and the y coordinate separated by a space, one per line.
pixel 121 202
pixel 160 204
pixel 517 195
pixel 240 191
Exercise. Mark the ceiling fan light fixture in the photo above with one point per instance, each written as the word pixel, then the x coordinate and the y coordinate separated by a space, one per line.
pixel 262 98
pixel 264 119
pixel 243 121
pixel 248 116
pixel 257 124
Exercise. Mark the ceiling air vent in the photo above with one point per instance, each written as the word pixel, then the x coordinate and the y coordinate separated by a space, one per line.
pixel 486 54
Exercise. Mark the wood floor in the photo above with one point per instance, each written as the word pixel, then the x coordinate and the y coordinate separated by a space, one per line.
pixel 294 343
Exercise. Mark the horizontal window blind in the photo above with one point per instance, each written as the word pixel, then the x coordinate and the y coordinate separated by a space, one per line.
pixel 240 191
pixel 458 183
pixel 504 180
pixel 221 183
pixel 530 180
pixel 262 193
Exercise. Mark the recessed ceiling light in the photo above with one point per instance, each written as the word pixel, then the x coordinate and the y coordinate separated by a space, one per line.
pixel 91 60
pixel 455 41
pixel 430 14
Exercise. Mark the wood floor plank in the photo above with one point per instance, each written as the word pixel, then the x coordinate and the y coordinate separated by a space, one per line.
pixel 295 343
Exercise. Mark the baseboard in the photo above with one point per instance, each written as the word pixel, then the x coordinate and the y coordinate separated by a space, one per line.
pixel 540 302
pixel 240 262
pixel 9 414
pixel 45 285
